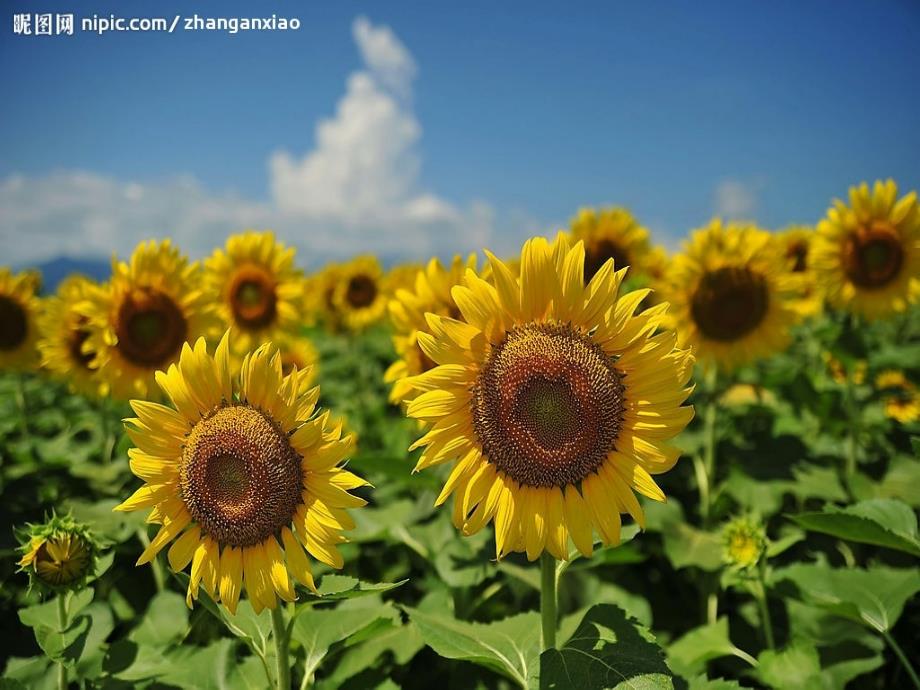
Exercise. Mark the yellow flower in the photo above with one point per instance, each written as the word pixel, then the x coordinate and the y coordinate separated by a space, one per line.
pixel 257 289
pixel 611 233
pixel 839 373
pixel 299 353
pixel 740 394
pixel 402 276
pixel 552 399
pixel 63 341
pixel 238 464
pixel 431 293
pixel 19 308
pixel 359 298
pixel 902 400
pixel 795 245
pixel 867 255
pixel 733 298
pixel 59 554
pixel 138 323
pixel 319 288
pixel 744 542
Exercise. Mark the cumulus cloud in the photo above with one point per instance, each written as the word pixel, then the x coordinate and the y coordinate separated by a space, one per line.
pixel 735 199
pixel 357 189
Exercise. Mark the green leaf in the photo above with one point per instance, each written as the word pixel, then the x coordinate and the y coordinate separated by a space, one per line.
pixel 334 587
pixel 795 668
pixel 874 597
pixel 607 650
pixel 164 623
pixel 64 646
pixel 403 642
pixel 703 683
pixel 46 614
pixel 199 668
pixel 90 663
pixel 510 646
pixel 882 522
pixel 686 546
pixel 689 654
pixel 317 630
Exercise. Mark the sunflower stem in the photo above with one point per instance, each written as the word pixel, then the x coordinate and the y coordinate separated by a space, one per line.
pixel 22 405
pixel 62 624
pixel 709 447
pixel 902 657
pixel 548 584
pixel 765 621
pixel 158 578
pixel 849 470
pixel 280 636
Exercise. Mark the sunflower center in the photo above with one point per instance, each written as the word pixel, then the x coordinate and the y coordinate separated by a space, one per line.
pixel 75 339
pixel 253 298
pixel 548 405
pixel 13 323
pixel 873 256
pixel 597 254
pixel 61 561
pixel 240 478
pixel 729 303
pixel 362 290
pixel 798 252
pixel 151 328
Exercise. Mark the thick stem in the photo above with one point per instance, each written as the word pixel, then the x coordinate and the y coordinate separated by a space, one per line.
pixel 765 622
pixel 548 599
pixel 902 657
pixel 709 448
pixel 62 623
pixel 282 662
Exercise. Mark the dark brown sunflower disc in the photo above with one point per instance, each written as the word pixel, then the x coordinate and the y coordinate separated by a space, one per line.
pixel 151 327
pixel 729 303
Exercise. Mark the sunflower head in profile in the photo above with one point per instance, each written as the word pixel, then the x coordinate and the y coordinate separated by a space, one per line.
pixel 58 554
pixel 744 543
pixel 430 293
pixel 899 395
pixel 795 244
pixel 138 322
pixel 242 474
pixel 866 255
pixel 553 400
pixel 257 289
pixel 19 310
pixel 611 233
pixel 63 342
pixel 734 298
pixel 359 297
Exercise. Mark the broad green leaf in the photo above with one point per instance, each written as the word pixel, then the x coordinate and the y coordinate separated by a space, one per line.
pixel 46 614
pixel 795 668
pixel 689 654
pixel 34 673
pixel 90 663
pixel 703 683
pixel 607 650
pixel 317 630
pixel 874 597
pixel 403 642
pixel 64 646
pixel 164 623
pixel 686 545
pixel 510 646
pixel 334 587
pixel 882 522
pixel 199 668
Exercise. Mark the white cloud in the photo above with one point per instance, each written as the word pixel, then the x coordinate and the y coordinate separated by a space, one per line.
pixel 357 190
pixel 735 199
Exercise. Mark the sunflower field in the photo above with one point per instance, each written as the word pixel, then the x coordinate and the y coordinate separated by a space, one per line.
pixel 593 464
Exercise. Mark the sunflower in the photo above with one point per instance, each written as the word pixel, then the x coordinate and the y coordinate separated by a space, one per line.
pixel 402 276
pixel 59 553
pixel 734 299
pixel 298 353
pixel 867 255
pixel 611 233
pixel 138 323
pixel 744 542
pixel 64 334
pixel 319 289
pixel 553 398
pixel 19 308
pixel 901 398
pixel 431 293
pixel 795 245
pixel 233 468
pixel 258 290
pixel 358 296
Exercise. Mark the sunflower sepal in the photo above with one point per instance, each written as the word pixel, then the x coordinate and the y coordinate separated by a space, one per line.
pixel 60 554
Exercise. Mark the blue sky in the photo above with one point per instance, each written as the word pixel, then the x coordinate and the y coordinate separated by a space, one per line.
pixel 506 118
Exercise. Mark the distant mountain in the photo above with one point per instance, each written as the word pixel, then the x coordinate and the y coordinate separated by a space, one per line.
pixel 55 270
